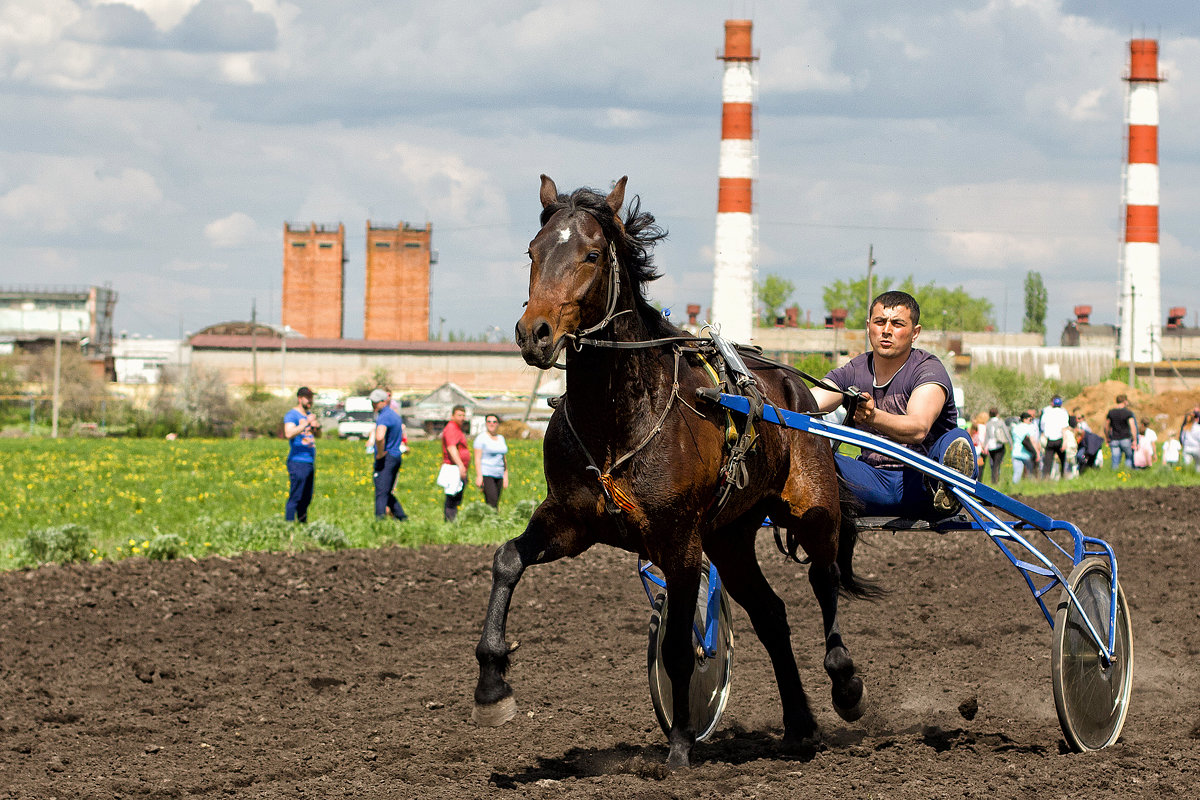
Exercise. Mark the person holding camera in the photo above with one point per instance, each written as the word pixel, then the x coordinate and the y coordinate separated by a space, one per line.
pixel 300 428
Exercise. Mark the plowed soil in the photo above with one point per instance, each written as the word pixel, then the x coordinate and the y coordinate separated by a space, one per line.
pixel 350 674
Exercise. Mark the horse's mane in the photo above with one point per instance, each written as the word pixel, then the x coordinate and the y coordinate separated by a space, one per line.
pixel 634 240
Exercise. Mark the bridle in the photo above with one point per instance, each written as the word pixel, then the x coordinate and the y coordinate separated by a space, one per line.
pixel 579 338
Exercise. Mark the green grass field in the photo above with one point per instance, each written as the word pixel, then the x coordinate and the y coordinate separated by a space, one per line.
pixel 116 498
pixel 94 499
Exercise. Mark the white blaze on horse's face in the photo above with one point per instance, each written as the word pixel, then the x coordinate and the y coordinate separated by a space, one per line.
pixel 564 235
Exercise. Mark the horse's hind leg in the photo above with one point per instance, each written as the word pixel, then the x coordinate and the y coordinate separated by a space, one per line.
pixel 849 699
pixel 547 538
pixel 733 553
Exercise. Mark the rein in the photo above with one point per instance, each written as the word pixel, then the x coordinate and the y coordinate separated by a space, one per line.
pixel 613 493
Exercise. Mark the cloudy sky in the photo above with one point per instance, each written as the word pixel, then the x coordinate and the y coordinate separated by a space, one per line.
pixel 160 145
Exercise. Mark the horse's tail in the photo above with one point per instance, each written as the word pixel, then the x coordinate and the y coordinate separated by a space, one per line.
pixel 851 585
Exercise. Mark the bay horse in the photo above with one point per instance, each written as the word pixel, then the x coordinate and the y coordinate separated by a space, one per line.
pixel 633 461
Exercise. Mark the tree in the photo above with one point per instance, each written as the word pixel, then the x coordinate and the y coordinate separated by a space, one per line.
pixel 772 292
pixel 852 296
pixel 202 401
pixel 80 390
pixel 1035 304
pixel 941 308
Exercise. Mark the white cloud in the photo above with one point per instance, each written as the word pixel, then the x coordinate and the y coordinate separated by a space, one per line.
pixel 235 230
pixel 74 196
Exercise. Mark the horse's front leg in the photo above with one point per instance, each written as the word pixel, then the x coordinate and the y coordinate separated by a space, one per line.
pixel 679 658
pixel 548 537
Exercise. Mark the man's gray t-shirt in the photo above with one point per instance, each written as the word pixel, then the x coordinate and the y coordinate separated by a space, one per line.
pixel 921 368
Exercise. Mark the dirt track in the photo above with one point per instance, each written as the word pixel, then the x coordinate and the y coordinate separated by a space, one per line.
pixel 350 675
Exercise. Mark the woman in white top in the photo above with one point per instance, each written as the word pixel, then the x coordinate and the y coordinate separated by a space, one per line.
pixel 491 461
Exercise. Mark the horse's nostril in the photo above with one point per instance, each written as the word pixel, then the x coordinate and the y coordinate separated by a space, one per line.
pixel 541 332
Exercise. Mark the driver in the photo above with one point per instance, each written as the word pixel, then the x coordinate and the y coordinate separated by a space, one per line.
pixel 909 399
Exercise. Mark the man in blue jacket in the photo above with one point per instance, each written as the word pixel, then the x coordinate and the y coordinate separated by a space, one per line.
pixel 389 433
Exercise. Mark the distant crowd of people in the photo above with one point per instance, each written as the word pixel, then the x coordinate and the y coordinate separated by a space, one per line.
pixel 387 445
pixel 1054 444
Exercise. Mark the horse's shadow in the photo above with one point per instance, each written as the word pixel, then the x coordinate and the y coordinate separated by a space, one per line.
pixel 729 747
pixel 735 746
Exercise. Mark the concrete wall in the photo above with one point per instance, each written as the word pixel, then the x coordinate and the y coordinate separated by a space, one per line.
pixel 824 340
pixel 477 373
pixel 1084 364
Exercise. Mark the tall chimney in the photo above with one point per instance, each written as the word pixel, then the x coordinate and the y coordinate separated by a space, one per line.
pixel 733 272
pixel 1140 301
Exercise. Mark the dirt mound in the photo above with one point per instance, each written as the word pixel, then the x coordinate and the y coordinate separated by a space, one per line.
pixel 1164 411
pixel 350 675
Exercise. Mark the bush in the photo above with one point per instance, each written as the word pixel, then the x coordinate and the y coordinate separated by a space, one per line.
pixel 262 415
pixel 165 547
pixel 64 544
pixel 327 535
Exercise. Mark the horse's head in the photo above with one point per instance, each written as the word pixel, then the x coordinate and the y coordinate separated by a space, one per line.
pixel 572 285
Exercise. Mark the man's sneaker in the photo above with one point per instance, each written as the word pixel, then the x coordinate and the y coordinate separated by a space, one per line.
pixel 960 458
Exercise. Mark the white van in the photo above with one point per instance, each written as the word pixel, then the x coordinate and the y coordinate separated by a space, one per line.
pixel 359 422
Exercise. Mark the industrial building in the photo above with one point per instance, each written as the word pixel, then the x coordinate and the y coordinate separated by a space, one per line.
pixel 32 318
pixel 314 279
pixel 397 301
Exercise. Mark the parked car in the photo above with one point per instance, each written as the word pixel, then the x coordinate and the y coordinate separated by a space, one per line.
pixel 359 419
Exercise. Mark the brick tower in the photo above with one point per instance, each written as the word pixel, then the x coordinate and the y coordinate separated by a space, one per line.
pixel 397 302
pixel 314 260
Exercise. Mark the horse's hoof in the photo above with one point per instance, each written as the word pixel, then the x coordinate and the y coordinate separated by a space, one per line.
pixel 853 713
pixel 677 759
pixel 496 714
pixel 801 747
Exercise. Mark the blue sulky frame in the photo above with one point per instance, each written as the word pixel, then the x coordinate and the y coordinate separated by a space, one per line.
pixel 975 497
pixel 706 638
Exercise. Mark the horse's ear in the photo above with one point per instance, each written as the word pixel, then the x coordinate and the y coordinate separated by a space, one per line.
pixel 617 196
pixel 549 192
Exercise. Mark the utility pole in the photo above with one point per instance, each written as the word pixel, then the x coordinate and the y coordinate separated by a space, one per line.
pixel 254 344
pixel 870 281
pixel 57 377
pixel 1132 342
pixel 1151 359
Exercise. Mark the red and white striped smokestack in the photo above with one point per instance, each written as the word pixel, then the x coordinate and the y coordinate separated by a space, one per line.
pixel 1141 324
pixel 733 272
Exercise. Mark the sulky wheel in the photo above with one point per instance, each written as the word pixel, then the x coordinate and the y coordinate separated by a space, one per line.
pixel 1091 696
pixel 710 677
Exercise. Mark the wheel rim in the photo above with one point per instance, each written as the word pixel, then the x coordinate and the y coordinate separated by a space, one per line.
pixel 709 688
pixel 1092 697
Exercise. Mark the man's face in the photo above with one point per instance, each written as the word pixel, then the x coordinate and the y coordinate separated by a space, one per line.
pixel 305 402
pixel 891 331
pixel 459 417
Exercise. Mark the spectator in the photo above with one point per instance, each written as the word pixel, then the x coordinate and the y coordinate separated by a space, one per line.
pixel 1189 438
pixel 389 430
pixel 996 440
pixel 1026 449
pixel 1089 449
pixel 300 427
pixel 456 457
pixel 1122 431
pixel 394 405
pixel 1053 422
pixel 1145 454
pixel 491 461
pixel 1172 450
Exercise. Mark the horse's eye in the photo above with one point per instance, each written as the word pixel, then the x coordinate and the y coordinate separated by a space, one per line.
pixel 593 256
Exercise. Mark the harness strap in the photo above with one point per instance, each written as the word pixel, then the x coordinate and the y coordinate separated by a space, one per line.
pixel 617 499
